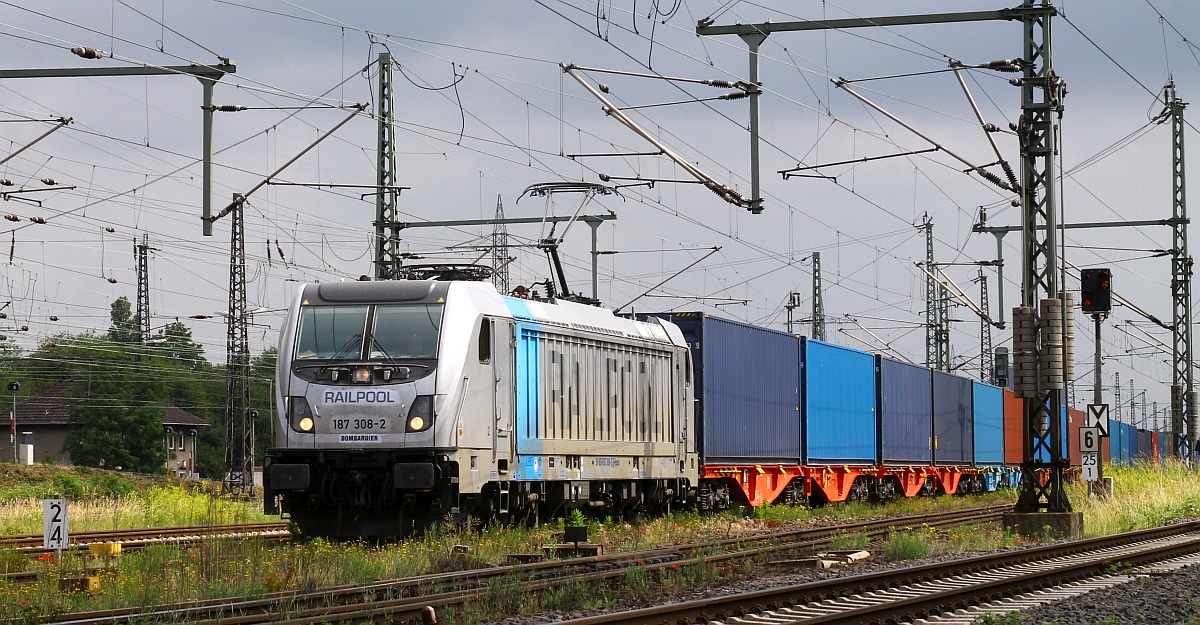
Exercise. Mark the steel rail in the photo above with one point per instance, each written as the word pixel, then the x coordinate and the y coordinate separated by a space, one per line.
pixel 921 591
pixel 133 537
pixel 403 599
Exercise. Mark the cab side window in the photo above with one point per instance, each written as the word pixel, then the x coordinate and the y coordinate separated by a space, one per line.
pixel 485 340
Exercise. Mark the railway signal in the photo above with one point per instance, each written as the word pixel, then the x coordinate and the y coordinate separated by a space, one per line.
pixel 1095 290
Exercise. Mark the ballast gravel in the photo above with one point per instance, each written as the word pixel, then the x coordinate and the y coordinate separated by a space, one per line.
pixel 1171 598
pixel 1161 598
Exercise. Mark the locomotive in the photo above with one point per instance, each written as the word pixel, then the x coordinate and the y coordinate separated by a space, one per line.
pixel 406 403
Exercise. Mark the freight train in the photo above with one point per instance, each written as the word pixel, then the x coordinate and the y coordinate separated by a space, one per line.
pixel 402 404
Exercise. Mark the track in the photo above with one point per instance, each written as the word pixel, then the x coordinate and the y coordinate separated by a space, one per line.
pixel 907 594
pixel 407 600
pixel 142 537
pixel 134 539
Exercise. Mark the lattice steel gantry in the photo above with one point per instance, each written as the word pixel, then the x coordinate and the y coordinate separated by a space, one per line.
pixel 1184 428
pixel 239 434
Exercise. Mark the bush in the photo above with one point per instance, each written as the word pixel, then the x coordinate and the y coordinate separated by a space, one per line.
pixel 67 486
pixel 106 485
pixel 906 546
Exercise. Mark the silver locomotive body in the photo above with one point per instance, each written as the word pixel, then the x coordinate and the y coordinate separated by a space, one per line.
pixel 405 403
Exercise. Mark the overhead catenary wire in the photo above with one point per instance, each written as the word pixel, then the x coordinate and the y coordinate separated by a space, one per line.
pixel 669 208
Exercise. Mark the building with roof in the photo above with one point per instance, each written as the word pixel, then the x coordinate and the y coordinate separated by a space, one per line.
pixel 43 422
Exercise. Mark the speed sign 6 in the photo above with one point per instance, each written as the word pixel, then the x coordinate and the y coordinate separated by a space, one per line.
pixel 1089 439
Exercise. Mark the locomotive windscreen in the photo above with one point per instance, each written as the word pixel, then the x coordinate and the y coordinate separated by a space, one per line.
pixel 333 333
pixel 409 331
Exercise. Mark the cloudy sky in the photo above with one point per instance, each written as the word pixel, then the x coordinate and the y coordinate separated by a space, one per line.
pixel 483 111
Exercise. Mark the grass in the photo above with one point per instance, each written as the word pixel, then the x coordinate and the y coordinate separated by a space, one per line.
pixel 227 568
pixel 849 542
pixel 908 545
pixel 1145 497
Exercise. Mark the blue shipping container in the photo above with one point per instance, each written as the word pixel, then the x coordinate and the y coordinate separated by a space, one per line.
pixel 1041 454
pixel 747 388
pixel 905 413
pixel 1120 442
pixel 953 426
pixel 839 404
pixel 1143 448
pixel 989 424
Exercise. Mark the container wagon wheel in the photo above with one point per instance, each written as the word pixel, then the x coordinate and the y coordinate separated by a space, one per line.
pixel 793 493
pixel 859 490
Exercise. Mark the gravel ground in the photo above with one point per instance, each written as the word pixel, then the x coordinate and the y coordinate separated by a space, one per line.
pixel 1161 599
pixel 1164 599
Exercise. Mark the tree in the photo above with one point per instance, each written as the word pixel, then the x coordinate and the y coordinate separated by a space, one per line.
pixel 124 328
pixel 117 416
pixel 175 343
pixel 106 432
pixel 262 386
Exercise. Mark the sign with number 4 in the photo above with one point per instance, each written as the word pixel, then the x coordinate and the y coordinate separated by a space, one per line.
pixel 55 512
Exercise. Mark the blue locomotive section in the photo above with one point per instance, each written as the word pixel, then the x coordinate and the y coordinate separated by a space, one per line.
pixel 527 377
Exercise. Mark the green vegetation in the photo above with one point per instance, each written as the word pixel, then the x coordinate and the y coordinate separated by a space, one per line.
pixel 907 545
pixel 226 568
pixel 121 384
pixel 1145 496
pixel 849 542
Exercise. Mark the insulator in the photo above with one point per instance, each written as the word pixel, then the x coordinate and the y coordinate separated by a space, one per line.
pixel 3 315
pixel 1003 65
pixel 229 108
pixel 990 177
pixel 112 280
pixel 990 127
pixel 49 182
pixel 88 53
pixel 53 317
pixel 200 317
pixel 603 88
pixel 605 177
pixel 24 328
pixel 5 182
pixel 735 95
pixel 37 220
pixel 3 338
pixel 1016 82
pixel 12 217
pixel 724 84
pixel 110 229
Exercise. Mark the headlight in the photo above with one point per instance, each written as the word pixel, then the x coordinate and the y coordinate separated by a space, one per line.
pixel 420 414
pixel 300 415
